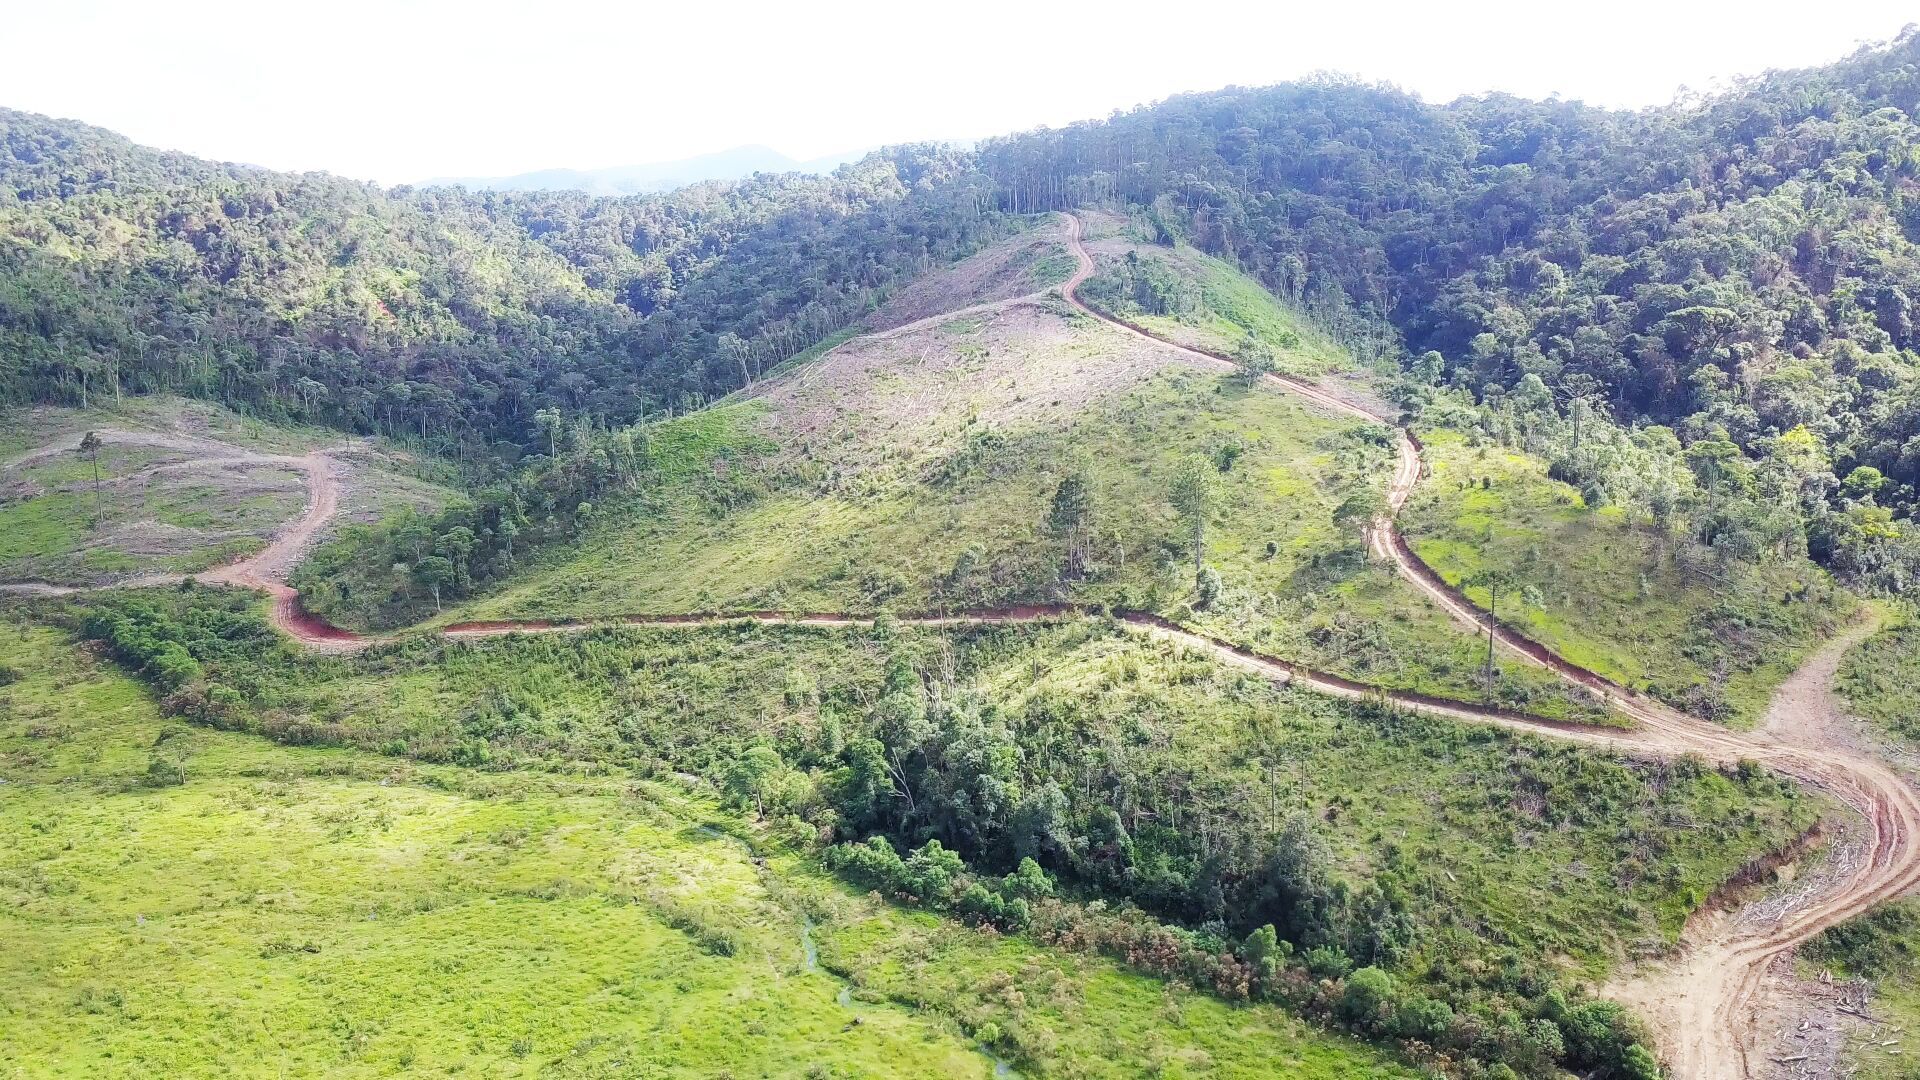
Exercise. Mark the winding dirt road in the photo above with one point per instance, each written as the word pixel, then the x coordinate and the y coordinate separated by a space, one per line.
pixel 1704 1004
pixel 267 570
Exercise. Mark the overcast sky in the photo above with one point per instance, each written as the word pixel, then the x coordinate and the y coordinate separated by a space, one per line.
pixel 401 90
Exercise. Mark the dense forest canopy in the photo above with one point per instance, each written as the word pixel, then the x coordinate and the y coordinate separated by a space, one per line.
pixel 451 315
pixel 1739 270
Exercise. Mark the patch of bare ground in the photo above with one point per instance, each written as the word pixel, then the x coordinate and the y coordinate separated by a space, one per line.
pixel 887 400
pixel 371 488
pixel 1788 1025
pixel 1003 271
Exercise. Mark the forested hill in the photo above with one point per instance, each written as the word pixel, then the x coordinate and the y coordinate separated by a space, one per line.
pixel 438 312
pixel 1741 269
pixel 1745 263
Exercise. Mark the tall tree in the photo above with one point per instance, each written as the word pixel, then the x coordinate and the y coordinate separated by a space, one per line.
pixel 90 445
pixel 1071 517
pixel 1496 580
pixel 1192 494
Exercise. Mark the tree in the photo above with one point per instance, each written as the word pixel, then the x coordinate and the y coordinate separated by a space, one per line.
pixel 1192 493
pixel 434 571
pixel 90 445
pixel 456 546
pixel 1861 483
pixel 1714 463
pixel 1071 518
pixel 752 774
pixel 1495 580
pixel 550 423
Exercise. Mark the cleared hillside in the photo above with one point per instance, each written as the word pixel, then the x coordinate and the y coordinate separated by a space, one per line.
pixel 175 487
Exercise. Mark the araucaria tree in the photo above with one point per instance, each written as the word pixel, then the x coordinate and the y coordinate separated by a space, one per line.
pixel 90 446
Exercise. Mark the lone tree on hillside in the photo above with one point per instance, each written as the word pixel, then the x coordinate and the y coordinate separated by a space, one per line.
pixel 1193 497
pixel 90 446
pixel 1071 518
pixel 1495 580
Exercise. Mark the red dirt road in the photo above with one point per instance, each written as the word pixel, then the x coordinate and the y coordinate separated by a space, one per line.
pixel 267 570
pixel 1704 1005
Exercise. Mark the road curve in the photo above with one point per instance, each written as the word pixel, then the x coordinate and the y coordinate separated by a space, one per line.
pixel 1704 1005
pixel 267 570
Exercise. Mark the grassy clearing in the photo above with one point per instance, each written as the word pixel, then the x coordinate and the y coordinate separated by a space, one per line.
pixel 151 511
pixel 255 909
pixel 1659 614
pixel 217 492
pixel 1879 675
pixel 970 528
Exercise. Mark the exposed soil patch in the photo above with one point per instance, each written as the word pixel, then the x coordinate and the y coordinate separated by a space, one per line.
pixel 1012 268
pixel 888 400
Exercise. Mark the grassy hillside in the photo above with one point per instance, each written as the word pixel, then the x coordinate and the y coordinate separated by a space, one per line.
pixel 1878 676
pixel 181 486
pixel 917 519
pixel 918 471
pixel 1493 829
pixel 1660 613
pixel 1479 868
pixel 179 901
pixel 1181 294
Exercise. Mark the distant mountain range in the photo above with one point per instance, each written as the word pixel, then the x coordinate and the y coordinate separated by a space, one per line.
pixel 654 176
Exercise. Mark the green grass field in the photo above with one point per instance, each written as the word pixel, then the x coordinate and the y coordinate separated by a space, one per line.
pixel 1879 675
pixel 1658 614
pixel 181 901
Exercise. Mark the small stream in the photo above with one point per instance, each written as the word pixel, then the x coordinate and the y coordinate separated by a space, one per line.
pixel 812 948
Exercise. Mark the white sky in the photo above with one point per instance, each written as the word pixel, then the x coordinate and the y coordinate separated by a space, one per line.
pixel 401 90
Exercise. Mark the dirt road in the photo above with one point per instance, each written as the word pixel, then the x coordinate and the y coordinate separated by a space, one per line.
pixel 1704 1005
pixel 267 570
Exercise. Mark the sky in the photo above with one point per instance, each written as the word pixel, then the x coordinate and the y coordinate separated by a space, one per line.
pixel 401 90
